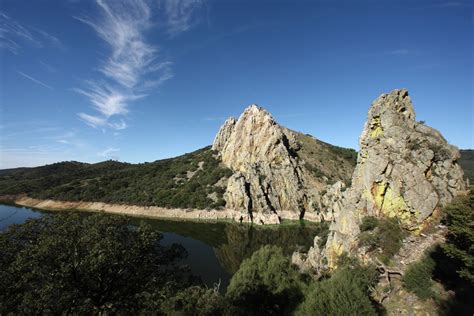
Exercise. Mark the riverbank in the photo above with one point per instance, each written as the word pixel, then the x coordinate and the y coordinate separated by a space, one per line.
pixel 157 212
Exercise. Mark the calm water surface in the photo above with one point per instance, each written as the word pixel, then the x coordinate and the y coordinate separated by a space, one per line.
pixel 215 250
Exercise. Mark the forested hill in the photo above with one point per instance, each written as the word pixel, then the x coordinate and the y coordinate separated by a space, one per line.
pixel 190 180
pixel 467 163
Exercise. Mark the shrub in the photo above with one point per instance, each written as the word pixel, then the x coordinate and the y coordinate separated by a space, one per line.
pixel 386 235
pixel 161 183
pixel 195 300
pixel 417 278
pixel 368 223
pixel 73 264
pixel 265 283
pixel 345 293
pixel 460 239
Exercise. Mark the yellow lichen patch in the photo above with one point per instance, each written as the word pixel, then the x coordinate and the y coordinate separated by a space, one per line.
pixel 392 204
pixel 376 127
pixel 343 225
pixel 335 251
pixel 378 193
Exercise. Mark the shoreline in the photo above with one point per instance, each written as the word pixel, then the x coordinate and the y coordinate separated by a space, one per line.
pixel 158 212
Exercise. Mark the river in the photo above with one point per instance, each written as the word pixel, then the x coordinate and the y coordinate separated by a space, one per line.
pixel 215 249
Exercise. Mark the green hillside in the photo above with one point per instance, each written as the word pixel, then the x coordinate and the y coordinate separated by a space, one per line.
pixel 185 181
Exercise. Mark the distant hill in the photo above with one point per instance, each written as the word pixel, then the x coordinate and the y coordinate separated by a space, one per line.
pixel 467 163
pixel 185 181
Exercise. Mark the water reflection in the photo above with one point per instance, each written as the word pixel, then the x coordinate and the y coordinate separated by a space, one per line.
pixel 244 240
pixel 11 214
pixel 215 250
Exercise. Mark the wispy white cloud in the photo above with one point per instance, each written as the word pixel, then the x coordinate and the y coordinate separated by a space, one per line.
pixel 35 80
pixel 106 100
pixel 52 40
pixel 180 15
pixel 101 122
pixel 48 67
pixel 134 65
pixel 13 34
pixel 92 120
pixel 121 26
pixel 110 152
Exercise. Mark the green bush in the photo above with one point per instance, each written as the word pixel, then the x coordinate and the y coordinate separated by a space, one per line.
pixel 386 235
pixel 417 278
pixel 368 223
pixel 460 239
pixel 195 300
pixel 345 293
pixel 265 283
pixel 74 264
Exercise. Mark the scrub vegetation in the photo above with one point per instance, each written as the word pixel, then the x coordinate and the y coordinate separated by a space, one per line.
pixel 448 266
pixel 105 264
pixel 187 181
pixel 382 235
pixel 101 264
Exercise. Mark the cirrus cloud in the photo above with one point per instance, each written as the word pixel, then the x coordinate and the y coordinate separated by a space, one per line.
pixel 133 65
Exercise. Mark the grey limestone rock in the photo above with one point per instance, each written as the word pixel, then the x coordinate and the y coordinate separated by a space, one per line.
pixel 268 178
pixel 405 169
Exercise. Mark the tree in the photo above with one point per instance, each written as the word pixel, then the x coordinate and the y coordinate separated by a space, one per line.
pixel 265 284
pixel 195 300
pixel 460 240
pixel 71 263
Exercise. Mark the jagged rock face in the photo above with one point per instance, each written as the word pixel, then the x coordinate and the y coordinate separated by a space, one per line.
pixel 404 169
pixel 267 177
pixel 224 134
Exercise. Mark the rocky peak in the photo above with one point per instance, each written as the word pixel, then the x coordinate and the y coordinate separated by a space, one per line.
pixel 405 169
pixel 267 176
pixel 255 138
pixel 278 172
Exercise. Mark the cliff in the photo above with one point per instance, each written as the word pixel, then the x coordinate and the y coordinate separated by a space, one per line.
pixel 405 169
pixel 273 171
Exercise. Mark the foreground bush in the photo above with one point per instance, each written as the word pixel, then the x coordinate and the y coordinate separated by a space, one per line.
pixel 460 240
pixel 381 233
pixel 265 284
pixel 345 293
pixel 73 264
pixel 417 278
pixel 195 300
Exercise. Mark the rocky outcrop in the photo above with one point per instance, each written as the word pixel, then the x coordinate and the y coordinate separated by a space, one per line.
pixel 405 169
pixel 308 262
pixel 269 177
pixel 224 134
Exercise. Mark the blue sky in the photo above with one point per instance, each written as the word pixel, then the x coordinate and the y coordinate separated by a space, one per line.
pixel 144 80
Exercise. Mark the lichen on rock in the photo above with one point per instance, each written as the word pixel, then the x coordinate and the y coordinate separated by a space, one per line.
pixel 405 169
